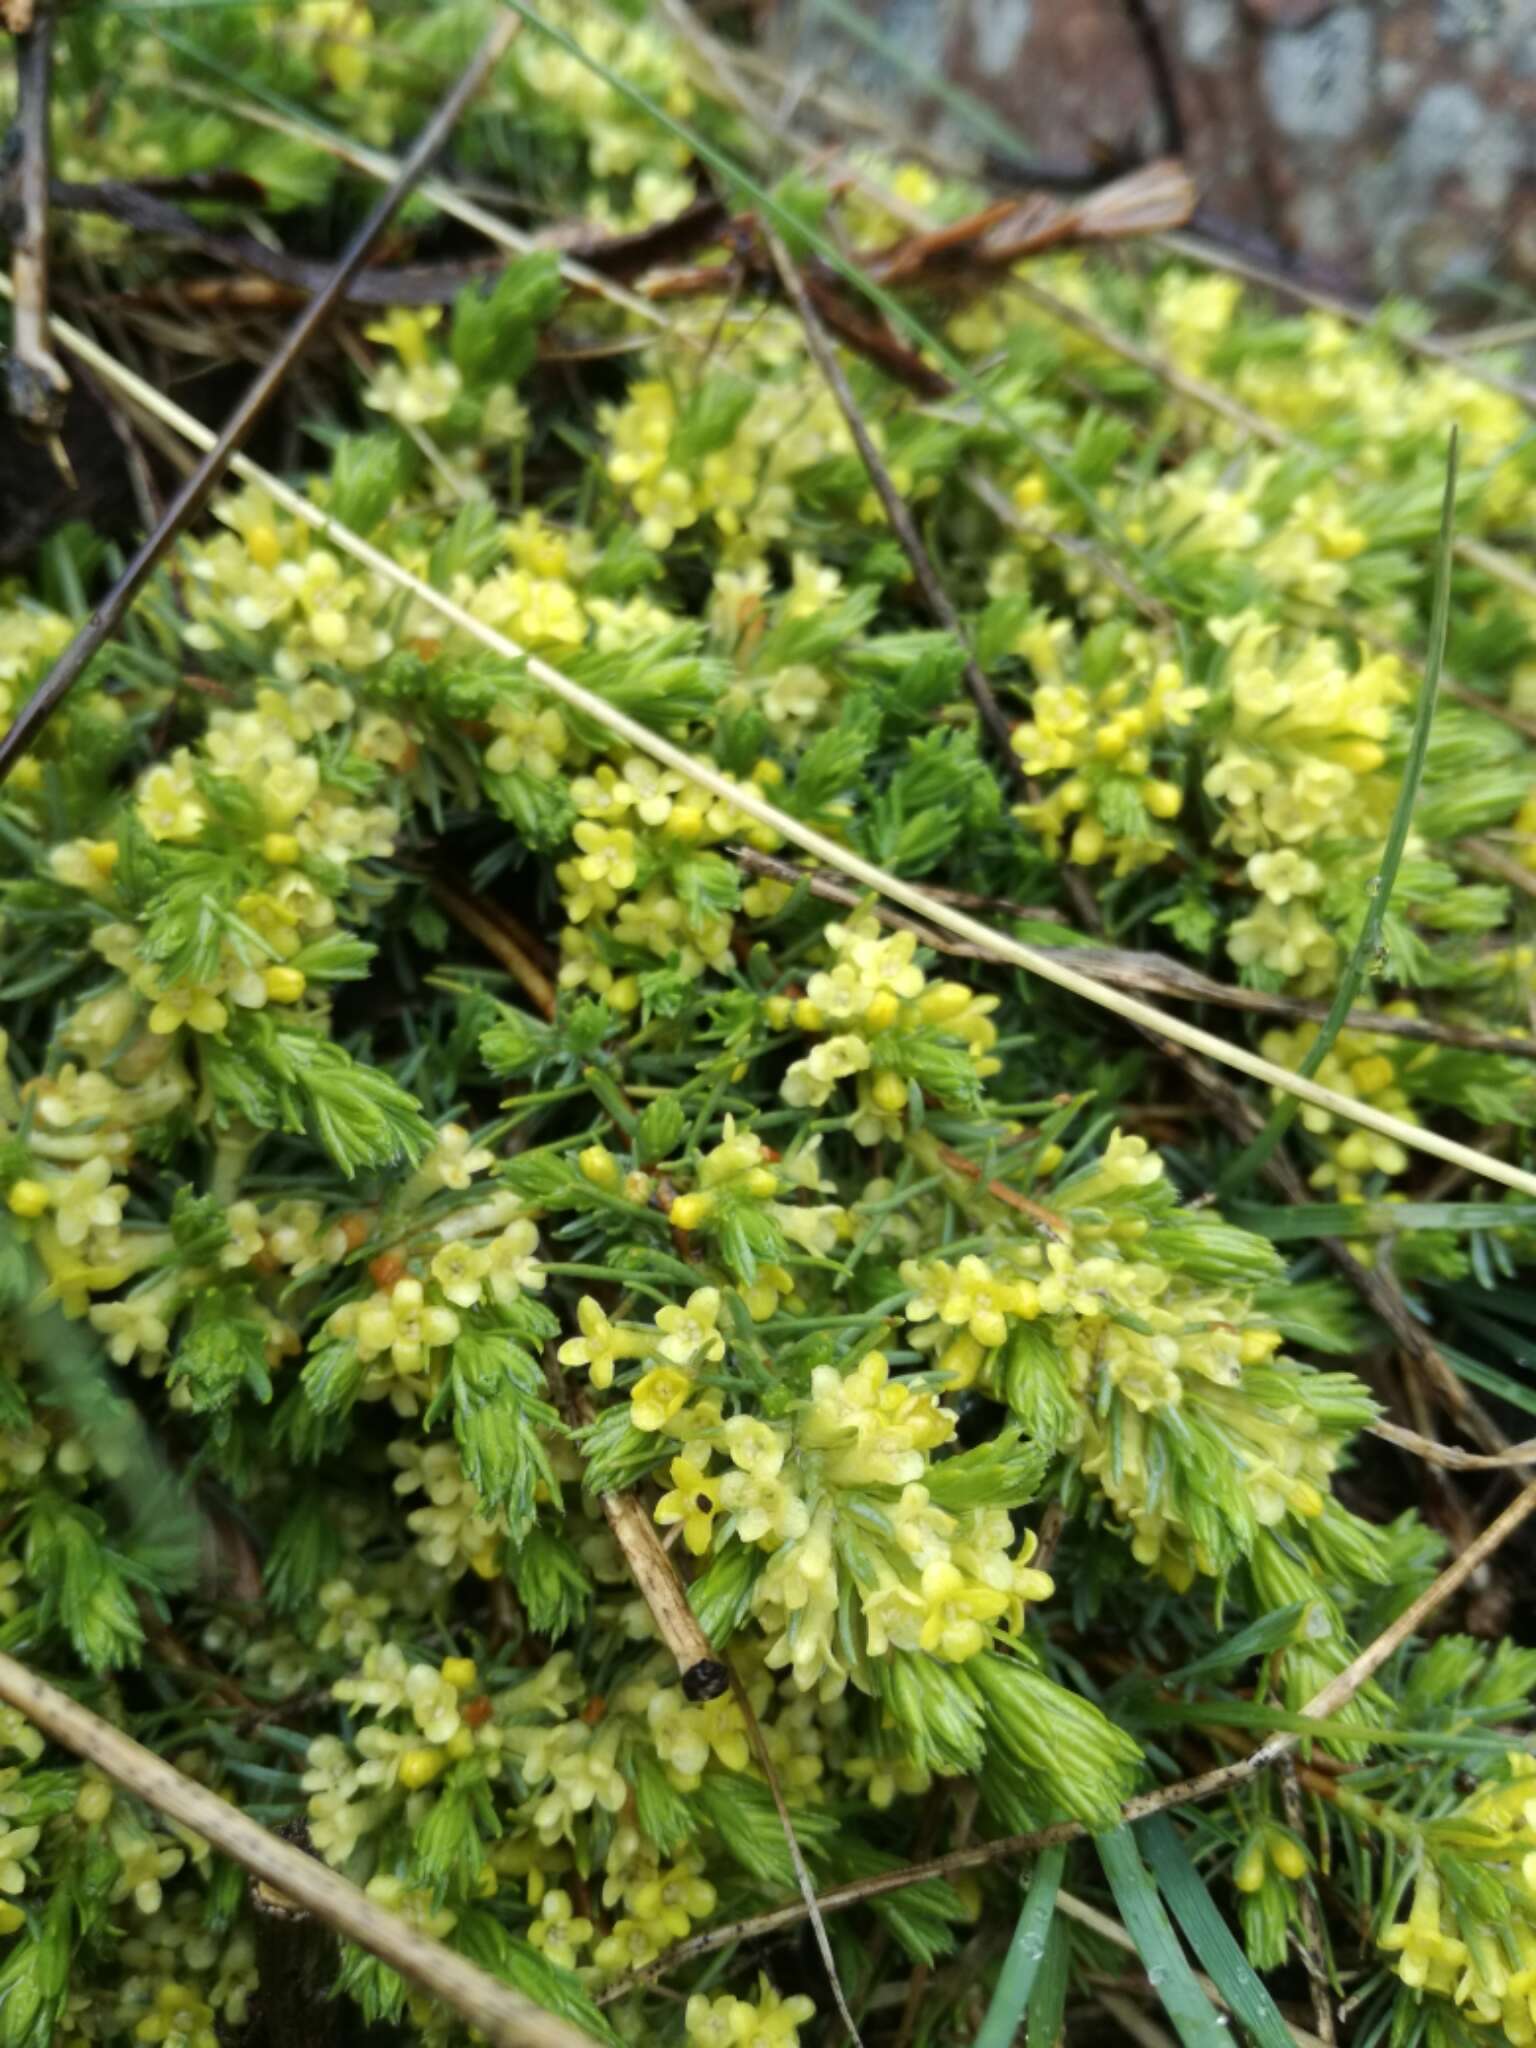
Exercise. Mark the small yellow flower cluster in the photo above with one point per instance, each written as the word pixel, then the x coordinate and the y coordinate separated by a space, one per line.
pixel 1131 1343
pixel 871 998
pixel 424 1718
pixel 269 579
pixel 745 487
pixel 1301 764
pixel 930 1580
pixel 436 1274
pixel 637 824
pixel 1366 1066
pixel 1099 731
pixel 619 139
pixel 453 1533
pixel 31 638
pixel 766 2021
pixel 417 388
pixel 1486 1968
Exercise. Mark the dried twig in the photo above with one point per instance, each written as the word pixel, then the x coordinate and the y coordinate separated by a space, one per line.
pixel 446 197
pixel 1160 74
pixel 1516 1457
pixel 502 2015
pixel 408 284
pixel 1482 853
pixel 703 1674
pixel 1188 1791
pixel 191 498
pixel 803 1876
pixel 1042 1218
pixel 904 527
pixel 1314 1947
pixel 503 940
pixel 36 380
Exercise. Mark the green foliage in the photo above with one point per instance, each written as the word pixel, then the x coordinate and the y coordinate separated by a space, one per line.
pixel 423 1117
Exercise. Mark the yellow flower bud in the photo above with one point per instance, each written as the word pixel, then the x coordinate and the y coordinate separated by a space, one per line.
pixel 807 1016
pixel 11 1917
pixel 93 1802
pixel 1162 799
pixel 281 848
pixel 418 1767
pixel 1361 757
pixel 485 1564
pixel 1288 1857
pixel 599 1166
pixel 1248 1871
pixel 27 775
pixel 263 546
pixel 1371 1075
pixel 889 1092
pixel 1088 841
pixel 1050 1158
pixel 944 1001
pixel 460 1672
pixel 883 1010
pixel 285 984
pixel 486 1882
pixel 460 1744
pixel 689 1211
pixel 102 854
pixel 28 1198
pixel 684 821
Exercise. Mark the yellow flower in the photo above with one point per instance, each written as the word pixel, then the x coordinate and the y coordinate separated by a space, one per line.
pixel 601 1344
pixel 694 1501
pixel 168 805
pixel 954 1623
pixel 689 1334
pixel 657 1396
pixel 199 1008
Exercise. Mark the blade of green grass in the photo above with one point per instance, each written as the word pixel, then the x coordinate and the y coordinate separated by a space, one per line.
pixel 1025 1954
pixel 1209 1935
pixel 1195 2019
pixel 1048 1999
pixel 1252 1157
pixel 1269 1632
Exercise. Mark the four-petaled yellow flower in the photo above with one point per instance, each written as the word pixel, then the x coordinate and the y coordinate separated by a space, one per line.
pixel 694 1501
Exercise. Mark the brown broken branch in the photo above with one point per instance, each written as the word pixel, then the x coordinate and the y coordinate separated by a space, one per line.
pixel 36 380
